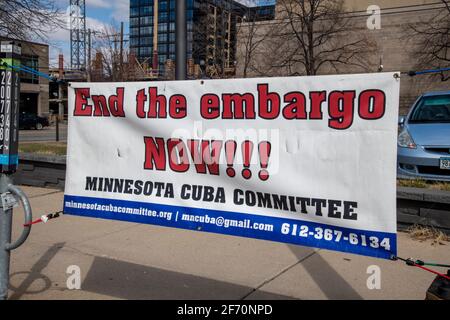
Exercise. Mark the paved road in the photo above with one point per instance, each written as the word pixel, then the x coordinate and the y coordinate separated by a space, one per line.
pixel 44 135
pixel 120 260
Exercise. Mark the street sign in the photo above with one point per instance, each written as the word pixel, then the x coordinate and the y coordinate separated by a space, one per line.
pixel 9 107
pixel 302 160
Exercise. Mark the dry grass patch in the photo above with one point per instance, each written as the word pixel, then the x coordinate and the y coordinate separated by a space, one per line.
pixel 423 233
pixel 419 183
pixel 47 148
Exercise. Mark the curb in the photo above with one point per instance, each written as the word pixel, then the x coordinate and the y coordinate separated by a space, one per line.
pixel 424 206
pixel 43 171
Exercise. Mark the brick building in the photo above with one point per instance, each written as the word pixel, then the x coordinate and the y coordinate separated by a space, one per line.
pixel 34 90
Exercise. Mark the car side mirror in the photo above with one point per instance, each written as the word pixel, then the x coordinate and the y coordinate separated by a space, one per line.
pixel 401 120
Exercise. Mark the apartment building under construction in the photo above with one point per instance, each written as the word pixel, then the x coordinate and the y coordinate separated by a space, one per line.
pixel 211 27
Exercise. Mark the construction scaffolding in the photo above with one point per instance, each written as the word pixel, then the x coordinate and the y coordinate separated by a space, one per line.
pixel 220 29
pixel 78 34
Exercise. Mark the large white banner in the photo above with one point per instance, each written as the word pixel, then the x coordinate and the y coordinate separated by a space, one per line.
pixel 303 160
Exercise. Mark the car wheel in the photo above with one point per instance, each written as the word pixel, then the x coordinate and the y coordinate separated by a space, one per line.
pixel 39 126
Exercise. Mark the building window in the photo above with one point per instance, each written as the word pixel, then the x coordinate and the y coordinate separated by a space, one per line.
pixel 162 37
pixel 146 20
pixel 145 52
pixel 163 17
pixel 162 48
pixel 163 6
pixel 162 27
pixel 145 41
pixel 146 11
pixel 134 12
pixel 134 42
pixel 146 31
pixel 33 63
pixel 134 22
pixel 162 59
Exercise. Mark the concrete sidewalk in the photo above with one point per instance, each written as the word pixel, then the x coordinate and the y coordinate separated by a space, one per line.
pixel 120 260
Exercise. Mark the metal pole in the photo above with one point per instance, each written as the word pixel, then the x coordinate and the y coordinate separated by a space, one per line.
pixel 60 88
pixel 60 103
pixel 5 238
pixel 89 73
pixel 57 128
pixel 181 41
pixel 10 96
pixel 114 57
pixel 121 51
pixel 8 191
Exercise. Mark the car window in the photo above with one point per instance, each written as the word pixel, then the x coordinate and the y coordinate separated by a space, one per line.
pixel 432 109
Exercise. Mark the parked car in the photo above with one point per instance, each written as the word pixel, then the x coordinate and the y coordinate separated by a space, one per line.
pixel 32 121
pixel 424 139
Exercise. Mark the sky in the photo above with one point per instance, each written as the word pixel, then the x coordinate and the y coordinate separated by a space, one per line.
pixel 98 14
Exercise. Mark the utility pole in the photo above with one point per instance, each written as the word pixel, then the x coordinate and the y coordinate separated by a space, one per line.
pixel 114 58
pixel 121 51
pixel 181 40
pixel 89 58
pixel 60 94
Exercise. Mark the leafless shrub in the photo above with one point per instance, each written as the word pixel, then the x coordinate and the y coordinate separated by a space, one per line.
pixel 29 19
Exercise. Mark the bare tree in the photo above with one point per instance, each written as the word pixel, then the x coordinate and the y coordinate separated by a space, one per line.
pixel 28 19
pixel 317 36
pixel 251 39
pixel 107 43
pixel 433 40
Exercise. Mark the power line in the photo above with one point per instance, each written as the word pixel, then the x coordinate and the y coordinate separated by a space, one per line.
pixel 361 13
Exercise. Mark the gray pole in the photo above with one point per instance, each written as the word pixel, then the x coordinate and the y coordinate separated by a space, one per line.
pixel 61 106
pixel 5 238
pixel 10 96
pixel 57 128
pixel 181 41
pixel 8 191
pixel 89 73
pixel 114 57
pixel 121 51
